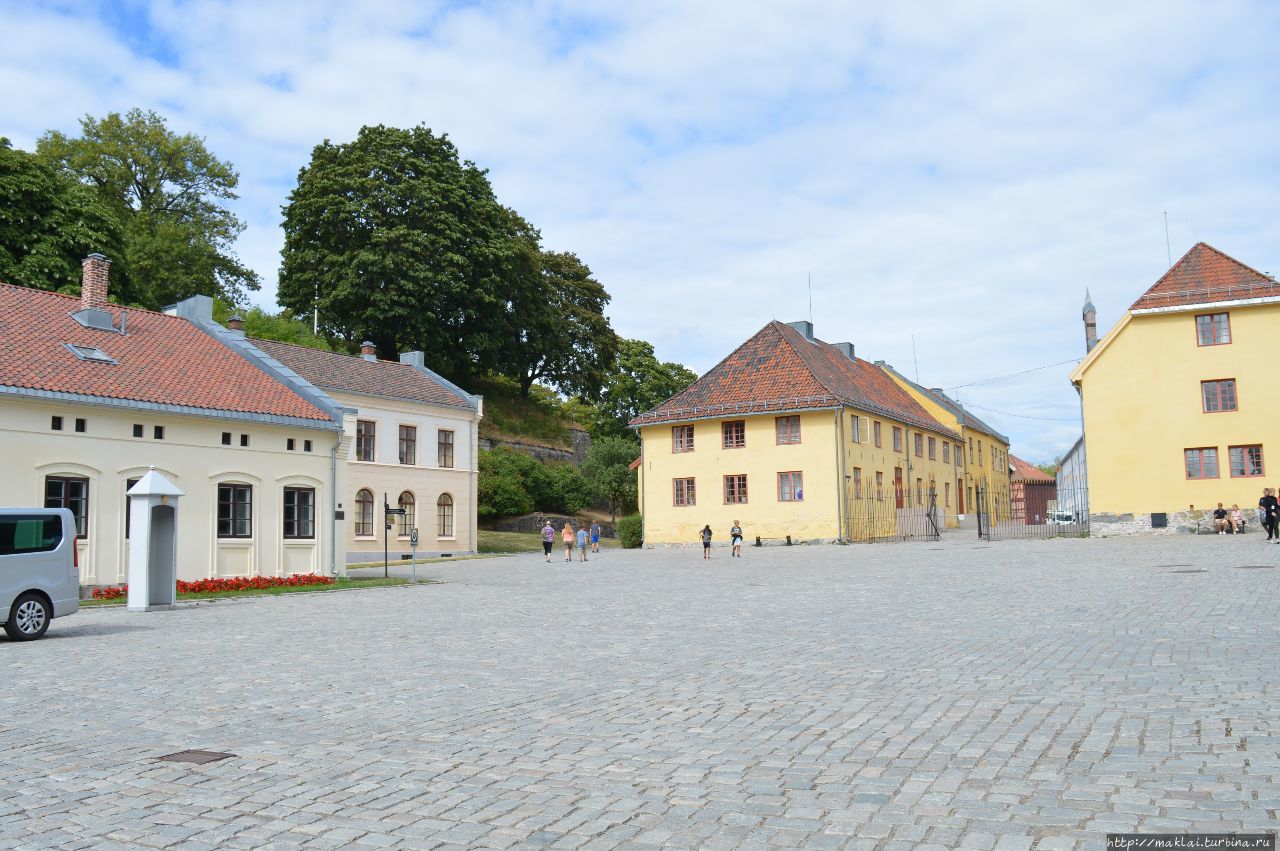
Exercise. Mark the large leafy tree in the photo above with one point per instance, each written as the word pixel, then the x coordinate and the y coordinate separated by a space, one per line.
pixel 559 333
pixel 48 223
pixel 169 193
pixel 609 475
pixel 637 383
pixel 397 240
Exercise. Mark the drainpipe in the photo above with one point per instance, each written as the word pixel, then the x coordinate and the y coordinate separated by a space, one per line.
pixel 333 507
pixel 842 485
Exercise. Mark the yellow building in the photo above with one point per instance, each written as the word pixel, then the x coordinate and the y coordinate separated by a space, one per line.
pixel 986 451
pixel 1179 397
pixel 795 437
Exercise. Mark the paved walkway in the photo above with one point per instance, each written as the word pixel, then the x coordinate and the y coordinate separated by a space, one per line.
pixel 1010 696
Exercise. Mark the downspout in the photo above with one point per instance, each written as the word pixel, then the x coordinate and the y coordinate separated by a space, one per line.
pixel 842 486
pixel 333 506
pixel 644 492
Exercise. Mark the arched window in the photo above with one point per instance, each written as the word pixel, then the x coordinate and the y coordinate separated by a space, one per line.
pixel 364 512
pixel 444 516
pixel 406 520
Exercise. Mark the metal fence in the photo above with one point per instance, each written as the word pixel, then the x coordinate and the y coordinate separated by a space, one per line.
pixel 873 520
pixel 1032 510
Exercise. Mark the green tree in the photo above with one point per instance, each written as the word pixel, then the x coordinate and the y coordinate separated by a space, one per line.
pixel 569 488
pixel 168 191
pixel 559 334
pixel 397 240
pixel 608 472
pixel 283 326
pixel 637 383
pixel 48 224
pixel 500 484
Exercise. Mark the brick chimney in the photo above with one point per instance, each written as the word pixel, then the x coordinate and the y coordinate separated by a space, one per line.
pixel 93 283
pixel 368 350
pixel 235 323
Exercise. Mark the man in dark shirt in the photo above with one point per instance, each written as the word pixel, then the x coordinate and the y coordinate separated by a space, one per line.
pixel 1220 519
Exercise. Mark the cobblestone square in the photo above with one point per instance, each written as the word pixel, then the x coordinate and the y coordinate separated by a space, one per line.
pixel 1015 695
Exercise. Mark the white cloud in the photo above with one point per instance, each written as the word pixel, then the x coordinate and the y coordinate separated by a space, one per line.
pixel 960 174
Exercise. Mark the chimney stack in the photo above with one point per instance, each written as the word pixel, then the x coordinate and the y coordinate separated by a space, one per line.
pixel 368 351
pixel 846 349
pixel 805 329
pixel 94 281
pixel 235 322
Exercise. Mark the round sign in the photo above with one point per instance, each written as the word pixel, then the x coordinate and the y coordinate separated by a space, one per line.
pixel 413 536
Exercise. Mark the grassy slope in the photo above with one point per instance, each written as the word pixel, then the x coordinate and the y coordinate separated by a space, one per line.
pixel 524 542
pixel 538 420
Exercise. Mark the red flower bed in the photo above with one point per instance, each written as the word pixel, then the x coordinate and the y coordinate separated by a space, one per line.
pixel 230 583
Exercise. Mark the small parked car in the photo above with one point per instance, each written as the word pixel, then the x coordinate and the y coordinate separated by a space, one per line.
pixel 39 569
pixel 1062 518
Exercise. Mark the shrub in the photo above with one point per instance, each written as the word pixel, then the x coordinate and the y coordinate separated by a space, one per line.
pixel 630 531
pixel 501 485
pixel 568 490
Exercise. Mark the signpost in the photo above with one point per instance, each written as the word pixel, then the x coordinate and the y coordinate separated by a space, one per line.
pixel 413 543
pixel 387 513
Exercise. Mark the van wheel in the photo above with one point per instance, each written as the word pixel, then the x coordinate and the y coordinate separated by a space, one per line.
pixel 29 618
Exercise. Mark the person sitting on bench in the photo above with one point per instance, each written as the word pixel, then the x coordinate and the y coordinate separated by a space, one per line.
pixel 1220 521
pixel 1237 520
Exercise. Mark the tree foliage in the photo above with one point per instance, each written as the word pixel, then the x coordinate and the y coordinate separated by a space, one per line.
pixel 513 482
pixel 637 383
pixel 608 473
pixel 398 240
pixel 283 326
pixel 168 192
pixel 48 224
pixel 558 331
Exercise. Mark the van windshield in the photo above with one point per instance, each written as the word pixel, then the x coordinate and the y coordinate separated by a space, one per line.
pixel 29 533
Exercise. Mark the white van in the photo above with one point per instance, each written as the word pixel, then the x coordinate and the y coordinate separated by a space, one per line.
pixel 39 569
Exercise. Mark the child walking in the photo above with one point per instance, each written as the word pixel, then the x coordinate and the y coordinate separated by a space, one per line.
pixel 548 538
pixel 582 543
pixel 735 535
pixel 566 535
pixel 706 541
pixel 595 537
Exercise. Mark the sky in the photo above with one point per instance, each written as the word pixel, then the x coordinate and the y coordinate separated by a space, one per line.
pixel 951 177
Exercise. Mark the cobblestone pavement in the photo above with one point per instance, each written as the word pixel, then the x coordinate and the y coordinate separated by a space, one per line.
pixel 1025 694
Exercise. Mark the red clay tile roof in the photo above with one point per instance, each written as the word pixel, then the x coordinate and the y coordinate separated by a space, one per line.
pixel 160 359
pixel 1205 275
pixel 1024 472
pixel 333 371
pixel 779 370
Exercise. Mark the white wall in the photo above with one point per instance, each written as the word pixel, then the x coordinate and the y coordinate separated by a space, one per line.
pixel 425 479
pixel 192 456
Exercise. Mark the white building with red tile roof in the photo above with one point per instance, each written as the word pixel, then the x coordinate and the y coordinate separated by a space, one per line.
pixel 93 394
pixel 415 449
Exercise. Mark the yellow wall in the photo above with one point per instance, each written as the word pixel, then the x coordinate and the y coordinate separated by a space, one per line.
pixel 761 460
pixel 823 514
pixel 1142 408
pixel 979 473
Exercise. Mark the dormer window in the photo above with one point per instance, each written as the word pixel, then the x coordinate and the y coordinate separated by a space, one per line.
pixel 92 353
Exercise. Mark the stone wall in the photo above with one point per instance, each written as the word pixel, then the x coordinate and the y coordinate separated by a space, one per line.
pixel 532 523
pixel 1180 522
pixel 580 444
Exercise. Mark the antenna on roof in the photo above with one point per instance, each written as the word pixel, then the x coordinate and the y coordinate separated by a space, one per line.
pixel 810 274
pixel 914 359
pixel 1168 251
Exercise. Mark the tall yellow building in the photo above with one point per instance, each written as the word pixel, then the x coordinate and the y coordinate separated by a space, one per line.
pixel 985 457
pixel 795 437
pixel 1180 404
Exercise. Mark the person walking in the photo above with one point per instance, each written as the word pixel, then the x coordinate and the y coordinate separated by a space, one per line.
pixel 1262 512
pixel 548 538
pixel 595 536
pixel 566 535
pixel 582 543
pixel 706 541
pixel 735 535
pixel 1269 504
